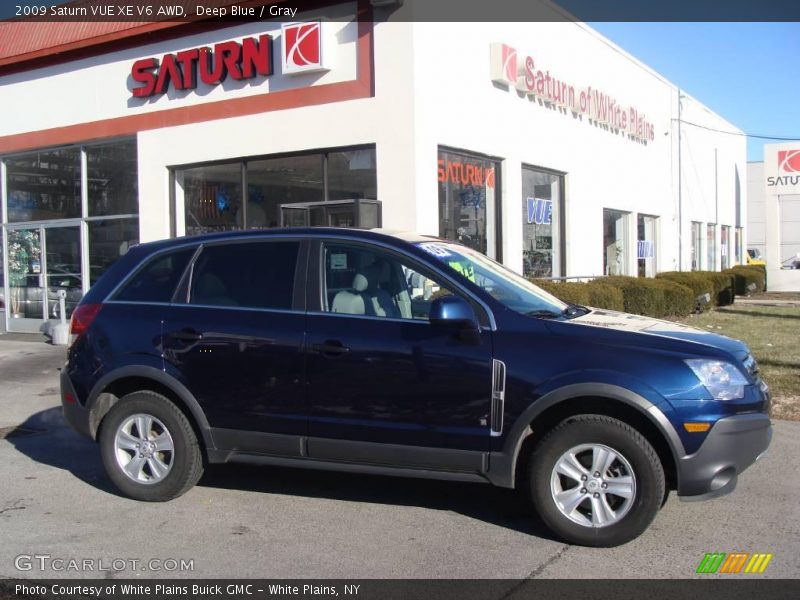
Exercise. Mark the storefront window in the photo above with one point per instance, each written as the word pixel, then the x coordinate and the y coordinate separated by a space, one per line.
pixel 62 269
pixel 615 242
pixel 541 211
pixel 44 185
pixel 213 198
pixel 697 243
pixel 212 195
pixel 108 240
pixel 275 181
pixel 711 247
pixel 724 246
pixel 46 252
pixel 469 201
pixel 351 174
pixel 646 245
pixel 112 179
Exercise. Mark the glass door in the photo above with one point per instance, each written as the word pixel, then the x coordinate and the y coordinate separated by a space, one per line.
pixel 62 269
pixel 25 306
pixel 42 261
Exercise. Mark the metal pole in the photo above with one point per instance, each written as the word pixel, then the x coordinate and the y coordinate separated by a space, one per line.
pixel 680 191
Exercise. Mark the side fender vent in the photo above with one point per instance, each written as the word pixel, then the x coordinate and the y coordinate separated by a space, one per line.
pixel 498 396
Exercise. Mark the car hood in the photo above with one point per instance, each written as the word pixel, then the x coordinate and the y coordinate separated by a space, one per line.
pixel 661 330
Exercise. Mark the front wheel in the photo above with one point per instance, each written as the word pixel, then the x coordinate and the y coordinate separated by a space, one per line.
pixel 149 448
pixel 596 481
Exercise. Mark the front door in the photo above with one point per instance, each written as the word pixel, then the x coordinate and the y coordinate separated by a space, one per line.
pixel 380 376
pixel 237 343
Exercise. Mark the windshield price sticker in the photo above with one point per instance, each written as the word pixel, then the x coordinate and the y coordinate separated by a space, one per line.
pixel 436 249
pixel 338 262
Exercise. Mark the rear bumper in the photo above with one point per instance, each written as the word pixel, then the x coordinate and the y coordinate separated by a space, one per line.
pixel 74 412
pixel 732 445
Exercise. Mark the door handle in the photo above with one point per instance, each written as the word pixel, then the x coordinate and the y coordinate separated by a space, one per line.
pixel 330 348
pixel 186 335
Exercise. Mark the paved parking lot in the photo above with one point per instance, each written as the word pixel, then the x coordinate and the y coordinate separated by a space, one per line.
pixel 267 522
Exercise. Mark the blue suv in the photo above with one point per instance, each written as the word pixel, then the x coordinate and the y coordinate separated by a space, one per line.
pixel 401 354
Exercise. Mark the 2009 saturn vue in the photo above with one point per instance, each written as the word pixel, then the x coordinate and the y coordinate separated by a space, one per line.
pixel 402 354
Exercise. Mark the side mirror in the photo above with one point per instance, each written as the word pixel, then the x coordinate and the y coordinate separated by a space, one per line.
pixel 454 313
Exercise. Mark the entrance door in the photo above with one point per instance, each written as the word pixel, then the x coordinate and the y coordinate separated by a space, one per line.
pixel 42 261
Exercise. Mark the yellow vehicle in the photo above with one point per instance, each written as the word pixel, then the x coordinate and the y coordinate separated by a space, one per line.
pixel 754 257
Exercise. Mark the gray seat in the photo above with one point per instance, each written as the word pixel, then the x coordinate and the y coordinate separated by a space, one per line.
pixel 352 302
pixel 366 296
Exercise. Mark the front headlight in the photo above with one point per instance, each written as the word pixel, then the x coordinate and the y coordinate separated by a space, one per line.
pixel 722 380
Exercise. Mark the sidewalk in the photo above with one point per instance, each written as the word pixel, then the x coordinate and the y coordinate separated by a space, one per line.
pixel 23 337
pixel 766 302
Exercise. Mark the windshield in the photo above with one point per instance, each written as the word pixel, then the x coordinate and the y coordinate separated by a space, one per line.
pixel 501 283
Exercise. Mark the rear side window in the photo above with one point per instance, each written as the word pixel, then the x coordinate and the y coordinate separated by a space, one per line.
pixel 247 275
pixel 156 282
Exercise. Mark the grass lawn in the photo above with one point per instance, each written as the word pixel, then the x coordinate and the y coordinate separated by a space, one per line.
pixel 773 334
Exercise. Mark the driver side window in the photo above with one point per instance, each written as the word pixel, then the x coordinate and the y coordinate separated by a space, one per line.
pixel 358 280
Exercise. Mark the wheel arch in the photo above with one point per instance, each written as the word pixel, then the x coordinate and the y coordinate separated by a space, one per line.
pixel 585 398
pixel 117 384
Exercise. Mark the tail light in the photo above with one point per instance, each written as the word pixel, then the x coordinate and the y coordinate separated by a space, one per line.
pixel 82 317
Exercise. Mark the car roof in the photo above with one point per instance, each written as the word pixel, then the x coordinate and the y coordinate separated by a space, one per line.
pixel 365 234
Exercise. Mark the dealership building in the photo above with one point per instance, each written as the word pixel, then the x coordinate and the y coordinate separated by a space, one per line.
pixel 542 144
pixel 773 213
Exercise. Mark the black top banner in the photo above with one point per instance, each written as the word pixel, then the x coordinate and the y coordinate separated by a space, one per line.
pixel 403 10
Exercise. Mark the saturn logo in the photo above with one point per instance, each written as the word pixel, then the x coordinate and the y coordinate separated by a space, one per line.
pixel 789 161
pixel 302 47
pixel 503 64
pixel 509 63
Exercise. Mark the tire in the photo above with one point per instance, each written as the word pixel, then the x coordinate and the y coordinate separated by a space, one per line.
pixel 171 461
pixel 555 482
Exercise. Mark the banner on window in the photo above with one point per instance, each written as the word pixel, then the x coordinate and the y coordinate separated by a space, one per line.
pixel 540 211
pixel 645 249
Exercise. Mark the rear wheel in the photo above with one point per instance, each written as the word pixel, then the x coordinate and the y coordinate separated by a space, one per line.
pixel 596 481
pixel 149 448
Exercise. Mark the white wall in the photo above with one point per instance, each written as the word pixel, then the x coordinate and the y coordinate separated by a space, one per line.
pixel 711 162
pixel 458 105
pixel 756 215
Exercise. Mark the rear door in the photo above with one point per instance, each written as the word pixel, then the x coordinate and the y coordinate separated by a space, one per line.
pixel 384 385
pixel 236 341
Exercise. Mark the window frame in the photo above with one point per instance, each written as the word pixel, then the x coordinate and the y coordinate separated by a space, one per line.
pixel 498 202
pixel 177 213
pixel 316 276
pixel 627 218
pixel 656 239
pixel 561 216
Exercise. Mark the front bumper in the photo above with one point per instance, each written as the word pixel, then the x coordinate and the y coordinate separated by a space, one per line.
pixel 732 445
pixel 74 412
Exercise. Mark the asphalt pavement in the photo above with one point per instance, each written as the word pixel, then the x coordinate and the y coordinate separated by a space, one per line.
pixel 56 504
